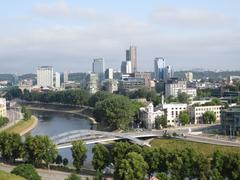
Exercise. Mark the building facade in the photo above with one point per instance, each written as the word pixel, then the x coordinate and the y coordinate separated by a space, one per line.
pixel 98 67
pixel 189 76
pixel 109 73
pixel 173 111
pixel 172 88
pixel 45 76
pixel 159 65
pixel 3 107
pixel 148 115
pixel 196 112
pixel 230 121
pixel 57 80
pixel 131 55
pixel 92 83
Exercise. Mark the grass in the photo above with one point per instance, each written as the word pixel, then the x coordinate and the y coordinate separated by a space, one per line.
pixel 175 144
pixel 21 126
pixel 7 176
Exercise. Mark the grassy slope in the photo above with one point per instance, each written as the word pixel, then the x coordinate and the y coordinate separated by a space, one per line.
pixel 21 126
pixel 7 176
pixel 174 144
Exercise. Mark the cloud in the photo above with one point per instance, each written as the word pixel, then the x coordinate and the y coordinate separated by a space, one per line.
pixel 187 17
pixel 61 9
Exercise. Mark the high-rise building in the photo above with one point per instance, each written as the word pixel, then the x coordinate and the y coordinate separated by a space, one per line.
pixel 92 83
pixel 162 72
pixel 159 65
pixel 99 68
pixel 109 73
pixel 189 76
pixel 3 107
pixel 126 67
pixel 57 80
pixel 65 77
pixel 45 76
pixel 131 55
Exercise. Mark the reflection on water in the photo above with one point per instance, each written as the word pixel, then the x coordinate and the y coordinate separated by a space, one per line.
pixel 53 123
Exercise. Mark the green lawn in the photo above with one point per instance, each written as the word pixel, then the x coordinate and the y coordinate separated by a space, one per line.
pixel 7 176
pixel 21 126
pixel 175 144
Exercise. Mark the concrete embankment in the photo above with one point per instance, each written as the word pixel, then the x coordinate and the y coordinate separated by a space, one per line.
pixel 75 112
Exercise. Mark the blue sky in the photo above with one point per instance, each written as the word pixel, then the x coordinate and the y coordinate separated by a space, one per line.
pixel 68 34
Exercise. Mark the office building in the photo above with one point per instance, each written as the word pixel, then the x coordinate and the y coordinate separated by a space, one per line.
pixel 230 121
pixel 131 84
pixel 111 85
pixel 3 107
pixel 57 80
pixel 126 67
pixel 131 55
pixel 147 76
pixel 109 73
pixel 189 76
pixel 65 77
pixel 173 111
pixel 162 72
pixel 98 68
pixel 45 76
pixel 92 83
pixel 196 112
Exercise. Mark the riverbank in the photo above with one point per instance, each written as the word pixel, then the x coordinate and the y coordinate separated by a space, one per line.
pixel 78 112
pixel 23 127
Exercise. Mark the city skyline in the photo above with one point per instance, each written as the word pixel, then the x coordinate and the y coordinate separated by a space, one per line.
pixel 70 34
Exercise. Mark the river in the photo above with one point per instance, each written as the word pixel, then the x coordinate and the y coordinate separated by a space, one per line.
pixel 53 123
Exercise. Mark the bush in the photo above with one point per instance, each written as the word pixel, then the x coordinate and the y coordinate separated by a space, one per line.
pixel 73 177
pixel 3 121
pixel 27 171
pixel 65 162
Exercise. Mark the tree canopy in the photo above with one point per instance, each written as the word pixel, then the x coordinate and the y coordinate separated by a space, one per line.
pixel 209 117
pixel 79 154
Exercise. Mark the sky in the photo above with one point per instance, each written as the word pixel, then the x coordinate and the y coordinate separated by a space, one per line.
pixel 69 34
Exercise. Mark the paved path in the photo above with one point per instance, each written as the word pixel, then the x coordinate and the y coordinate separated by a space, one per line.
pixel 46 174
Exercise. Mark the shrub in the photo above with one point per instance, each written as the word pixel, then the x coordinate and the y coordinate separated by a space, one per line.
pixel 27 171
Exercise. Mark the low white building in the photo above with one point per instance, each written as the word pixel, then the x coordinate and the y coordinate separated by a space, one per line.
pixel 173 111
pixel 196 112
pixel 191 92
pixel 148 115
pixel 3 107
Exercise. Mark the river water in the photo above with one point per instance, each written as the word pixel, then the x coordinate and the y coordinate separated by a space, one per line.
pixel 54 123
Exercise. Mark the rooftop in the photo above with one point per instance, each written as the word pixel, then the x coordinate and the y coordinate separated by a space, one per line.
pixel 233 109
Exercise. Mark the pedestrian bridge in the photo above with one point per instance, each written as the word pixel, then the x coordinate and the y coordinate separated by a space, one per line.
pixel 64 140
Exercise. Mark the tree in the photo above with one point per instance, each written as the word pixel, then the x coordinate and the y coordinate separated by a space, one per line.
pixel 11 146
pixel 183 97
pixel 162 176
pixel 73 177
pixel 79 154
pixel 40 150
pixel 161 121
pixel 27 171
pixel 124 171
pixel 59 159
pixel 209 117
pixel 98 97
pixel 184 118
pixel 26 113
pixel 99 176
pixel 119 151
pixel 101 157
pixel 65 162
pixel 117 112
pixel 136 164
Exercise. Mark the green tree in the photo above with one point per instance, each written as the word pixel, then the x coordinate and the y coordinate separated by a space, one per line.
pixel 124 171
pixel 209 117
pixel 26 113
pixel 11 146
pixel 184 118
pixel 73 177
pixel 161 121
pixel 162 176
pixel 59 159
pixel 79 154
pixel 65 161
pixel 99 176
pixel 119 151
pixel 98 97
pixel 183 97
pixel 27 171
pixel 101 157
pixel 116 112
pixel 138 165
pixel 40 150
